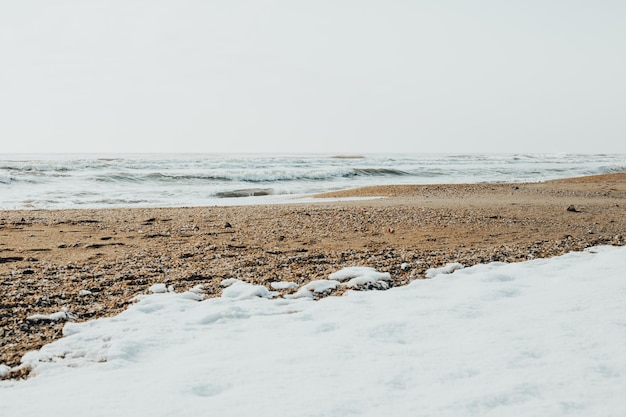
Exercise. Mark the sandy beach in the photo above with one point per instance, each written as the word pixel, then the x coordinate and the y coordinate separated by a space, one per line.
pixel 91 263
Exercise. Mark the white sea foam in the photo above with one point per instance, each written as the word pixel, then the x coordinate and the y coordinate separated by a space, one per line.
pixel 91 181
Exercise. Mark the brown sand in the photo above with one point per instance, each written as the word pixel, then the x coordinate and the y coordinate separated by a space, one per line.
pixel 48 257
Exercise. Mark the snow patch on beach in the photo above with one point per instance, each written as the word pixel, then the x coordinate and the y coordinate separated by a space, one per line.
pixel 313 288
pixel 283 285
pixel 240 290
pixel 356 277
pixel 159 289
pixel 362 277
pixel 447 269
pixel 543 337
pixel 52 317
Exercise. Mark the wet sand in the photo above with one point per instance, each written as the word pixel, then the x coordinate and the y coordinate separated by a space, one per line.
pixel 91 263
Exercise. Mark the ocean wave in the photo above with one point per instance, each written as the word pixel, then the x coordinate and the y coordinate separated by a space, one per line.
pixel 158 176
pixel 168 180
pixel 35 168
pixel 267 175
pixel 12 179
pixel 614 169
pixel 117 177
pixel 378 172
pixel 348 157
pixel 112 202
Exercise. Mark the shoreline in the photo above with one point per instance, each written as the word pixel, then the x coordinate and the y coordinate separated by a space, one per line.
pixel 91 262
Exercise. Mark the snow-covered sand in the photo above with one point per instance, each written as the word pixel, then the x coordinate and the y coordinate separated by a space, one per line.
pixel 540 338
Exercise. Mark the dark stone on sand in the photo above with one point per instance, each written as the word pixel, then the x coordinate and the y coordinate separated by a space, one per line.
pixel 11 259
pixel 101 245
pixel 248 192
pixel 573 209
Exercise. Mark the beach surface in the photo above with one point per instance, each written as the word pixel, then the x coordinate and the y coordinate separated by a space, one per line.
pixel 91 263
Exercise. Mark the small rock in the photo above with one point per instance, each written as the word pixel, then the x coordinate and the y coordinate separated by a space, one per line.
pixel 573 209
pixel 227 225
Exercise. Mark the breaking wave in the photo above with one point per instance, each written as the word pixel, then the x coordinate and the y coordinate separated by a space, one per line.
pixel 83 181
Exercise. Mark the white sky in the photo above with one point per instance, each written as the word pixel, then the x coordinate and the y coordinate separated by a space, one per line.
pixel 313 76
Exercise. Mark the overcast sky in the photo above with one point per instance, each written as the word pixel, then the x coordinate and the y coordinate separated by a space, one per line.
pixel 313 76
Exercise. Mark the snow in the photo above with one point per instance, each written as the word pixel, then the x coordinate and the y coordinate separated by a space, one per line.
pixel 539 338
pixel 158 288
pixel 356 277
pixel 240 290
pixel 283 285
pixel 359 275
pixel 229 281
pixel 355 271
pixel 320 286
pixel 362 277
pixel 198 289
pixel 58 316
pixel 193 295
pixel 448 269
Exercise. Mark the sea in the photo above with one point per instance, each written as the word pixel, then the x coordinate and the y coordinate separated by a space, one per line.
pixel 61 181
